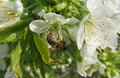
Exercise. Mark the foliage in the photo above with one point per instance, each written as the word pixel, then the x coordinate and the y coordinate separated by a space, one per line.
pixel 29 55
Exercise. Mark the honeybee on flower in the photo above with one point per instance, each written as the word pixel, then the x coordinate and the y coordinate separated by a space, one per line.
pixel 53 25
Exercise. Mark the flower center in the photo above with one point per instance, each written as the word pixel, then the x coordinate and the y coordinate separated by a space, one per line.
pixel 12 15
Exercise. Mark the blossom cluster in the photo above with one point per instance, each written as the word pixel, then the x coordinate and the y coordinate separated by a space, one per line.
pixel 98 30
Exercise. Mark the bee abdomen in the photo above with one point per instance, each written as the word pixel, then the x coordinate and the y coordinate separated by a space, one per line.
pixel 50 40
pixel 61 45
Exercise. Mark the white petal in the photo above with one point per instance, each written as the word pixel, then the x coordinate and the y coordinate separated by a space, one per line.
pixel 3 16
pixel 38 26
pixel 73 33
pixel 41 13
pixel 102 12
pixel 89 61
pixel 80 37
pixel 5 6
pixel 71 21
pixel 9 74
pixel 3 50
pixel 91 50
pixel 83 50
pixel 9 22
pixel 19 6
pixel 88 52
pixel 2 64
pixel 116 20
pixel 81 32
pixel 65 37
pixel 111 39
pixel 113 4
pixel 81 69
pixel 53 18
pixel 92 4
pixel 83 66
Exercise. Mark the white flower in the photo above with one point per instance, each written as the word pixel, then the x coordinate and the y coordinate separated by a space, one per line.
pixel 10 12
pixel 52 23
pixel 98 27
pixel 3 54
pixel 40 26
pixel 104 19
pixel 88 32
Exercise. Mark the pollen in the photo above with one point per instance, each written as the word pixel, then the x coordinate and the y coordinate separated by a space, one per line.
pixel 97 40
pixel 106 15
pixel 12 15
pixel 103 1
pixel 109 23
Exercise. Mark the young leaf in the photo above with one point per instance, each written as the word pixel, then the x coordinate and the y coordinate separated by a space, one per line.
pixel 15 61
pixel 42 48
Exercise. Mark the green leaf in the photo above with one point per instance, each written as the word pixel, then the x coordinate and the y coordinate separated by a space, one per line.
pixel 80 9
pixel 15 61
pixel 31 57
pixel 75 52
pixel 42 47
pixel 14 32
pixel 27 3
pixel 38 71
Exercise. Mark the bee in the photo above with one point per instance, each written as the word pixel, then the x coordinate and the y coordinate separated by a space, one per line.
pixel 50 40
pixel 61 45
pixel 58 44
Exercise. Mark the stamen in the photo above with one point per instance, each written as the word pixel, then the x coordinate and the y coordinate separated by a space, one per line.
pixel 12 15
